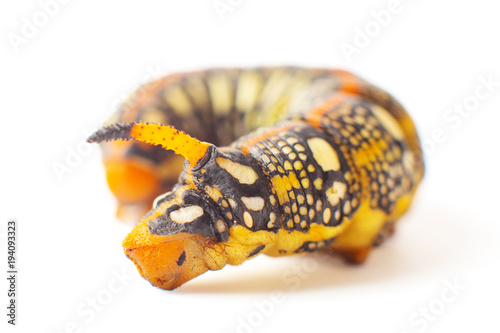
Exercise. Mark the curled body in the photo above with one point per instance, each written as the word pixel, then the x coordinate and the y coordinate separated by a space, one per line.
pixel 286 161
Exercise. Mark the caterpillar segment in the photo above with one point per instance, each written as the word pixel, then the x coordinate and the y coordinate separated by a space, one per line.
pixel 308 160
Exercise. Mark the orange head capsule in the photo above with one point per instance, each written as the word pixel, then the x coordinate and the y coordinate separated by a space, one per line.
pixel 166 261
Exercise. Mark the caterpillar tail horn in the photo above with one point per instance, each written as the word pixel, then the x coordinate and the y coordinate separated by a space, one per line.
pixel 166 136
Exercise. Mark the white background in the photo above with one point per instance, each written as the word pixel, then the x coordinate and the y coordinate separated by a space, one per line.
pixel 59 84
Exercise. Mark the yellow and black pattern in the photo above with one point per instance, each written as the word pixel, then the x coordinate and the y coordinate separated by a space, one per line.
pixel 308 175
pixel 285 160
pixel 376 146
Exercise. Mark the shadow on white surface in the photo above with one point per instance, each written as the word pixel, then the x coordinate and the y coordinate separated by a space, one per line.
pixel 431 240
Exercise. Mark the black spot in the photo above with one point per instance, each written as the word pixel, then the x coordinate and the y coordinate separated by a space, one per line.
pixel 257 250
pixel 181 259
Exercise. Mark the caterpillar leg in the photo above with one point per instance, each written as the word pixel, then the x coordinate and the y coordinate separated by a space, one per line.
pixel 386 232
pixel 354 256
pixel 369 228
pixel 358 255
pixel 356 243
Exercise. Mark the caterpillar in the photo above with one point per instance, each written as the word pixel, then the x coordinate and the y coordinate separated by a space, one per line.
pixel 239 162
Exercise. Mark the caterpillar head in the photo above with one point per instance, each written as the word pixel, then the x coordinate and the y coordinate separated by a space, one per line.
pixel 217 189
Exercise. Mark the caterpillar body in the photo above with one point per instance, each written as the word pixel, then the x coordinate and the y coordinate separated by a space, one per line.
pixel 287 160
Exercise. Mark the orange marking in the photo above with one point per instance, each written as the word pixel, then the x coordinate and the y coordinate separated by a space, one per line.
pixel 314 117
pixel 349 82
pixel 132 180
pixel 157 257
pixel 245 147
pixel 352 87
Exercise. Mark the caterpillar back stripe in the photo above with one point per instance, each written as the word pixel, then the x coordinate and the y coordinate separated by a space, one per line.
pixel 277 161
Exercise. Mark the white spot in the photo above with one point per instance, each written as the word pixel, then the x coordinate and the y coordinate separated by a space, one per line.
pixel 253 203
pixel 327 215
pixel 324 154
pixel 408 161
pixel 186 214
pixel 265 159
pixel 335 193
pixel 179 101
pixel 319 204
pixel 248 219
pixel 310 199
pixel 243 173
pixel 221 227
pixel 299 147
pixel 249 85
pixel 232 203
pixel 272 217
pixel 318 183
pixel 221 94
pixel 347 207
pixel 300 199
pixel 389 122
